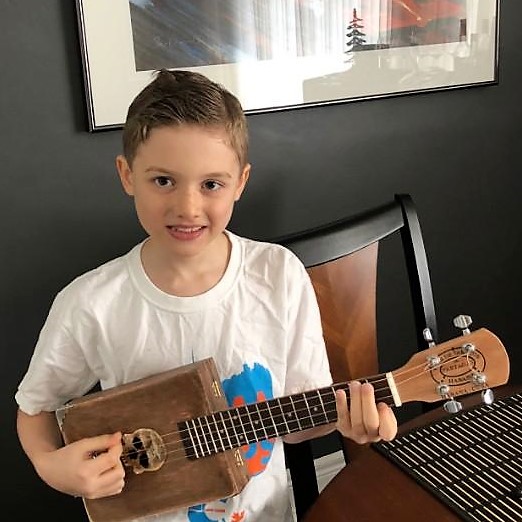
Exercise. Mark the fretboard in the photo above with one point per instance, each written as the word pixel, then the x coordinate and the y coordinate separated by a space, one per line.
pixel 235 427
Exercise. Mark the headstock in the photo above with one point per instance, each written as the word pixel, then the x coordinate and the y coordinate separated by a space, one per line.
pixel 469 363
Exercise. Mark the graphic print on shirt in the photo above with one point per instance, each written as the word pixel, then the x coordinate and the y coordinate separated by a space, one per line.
pixel 252 384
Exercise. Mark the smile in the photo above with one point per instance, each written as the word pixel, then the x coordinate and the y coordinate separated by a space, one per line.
pixel 185 233
pixel 187 230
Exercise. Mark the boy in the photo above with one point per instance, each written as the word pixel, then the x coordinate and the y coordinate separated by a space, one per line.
pixel 191 290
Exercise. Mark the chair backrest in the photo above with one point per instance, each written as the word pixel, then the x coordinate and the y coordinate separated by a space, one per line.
pixel 341 259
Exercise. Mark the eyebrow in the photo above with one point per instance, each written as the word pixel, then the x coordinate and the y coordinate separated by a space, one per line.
pixel 161 170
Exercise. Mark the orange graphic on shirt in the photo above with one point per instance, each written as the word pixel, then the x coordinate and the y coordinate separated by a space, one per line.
pixel 256 455
pixel 238 517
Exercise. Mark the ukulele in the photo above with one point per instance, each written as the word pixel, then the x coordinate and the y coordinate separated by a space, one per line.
pixel 181 441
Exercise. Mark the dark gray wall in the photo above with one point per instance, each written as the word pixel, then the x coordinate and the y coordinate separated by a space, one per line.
pixel 62 210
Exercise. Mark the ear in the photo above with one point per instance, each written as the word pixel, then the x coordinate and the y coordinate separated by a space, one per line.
pixel 125 174
pixel 243 178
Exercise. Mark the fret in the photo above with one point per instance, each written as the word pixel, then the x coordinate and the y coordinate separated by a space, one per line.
pixel 261 421
pixel 268 420
pixel 197 442
pixel 302 411
pixel 309 410
pixel 239 416
pixel 204 435
pixel 189 446
pixel 281 415
pixel 212 433
pixel 294 409
pixel 315 406
pixel 226 430
pixel 219 431
pixel 255 423
pixel 323 409
pixel 290 415
pixel 238 439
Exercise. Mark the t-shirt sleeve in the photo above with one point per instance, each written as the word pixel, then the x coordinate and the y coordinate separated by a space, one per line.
pixel 307 361
pixel 58 370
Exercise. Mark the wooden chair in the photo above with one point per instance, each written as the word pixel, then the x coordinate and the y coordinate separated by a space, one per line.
pixel 341 258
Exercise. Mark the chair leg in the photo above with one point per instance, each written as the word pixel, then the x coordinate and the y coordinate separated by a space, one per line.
pixel 300 462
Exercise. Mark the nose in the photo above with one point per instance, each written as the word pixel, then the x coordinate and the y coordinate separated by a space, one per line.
pixel 187 203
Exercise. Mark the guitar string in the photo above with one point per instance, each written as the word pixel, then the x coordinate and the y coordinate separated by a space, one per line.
pixel 248 433
pixel 181 436
pixel 378 379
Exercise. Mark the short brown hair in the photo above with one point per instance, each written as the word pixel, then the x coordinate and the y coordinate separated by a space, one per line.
pixel 184 97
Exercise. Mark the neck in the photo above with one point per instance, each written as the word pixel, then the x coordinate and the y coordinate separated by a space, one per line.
pixel 186 276
pixel 251 423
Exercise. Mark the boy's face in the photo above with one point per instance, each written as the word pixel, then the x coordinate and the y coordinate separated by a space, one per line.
pixel 184 181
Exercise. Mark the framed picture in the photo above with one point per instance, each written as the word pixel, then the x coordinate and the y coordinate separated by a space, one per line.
pixel 283 54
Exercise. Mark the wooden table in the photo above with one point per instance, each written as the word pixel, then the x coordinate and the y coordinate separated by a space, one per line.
pixel 372 488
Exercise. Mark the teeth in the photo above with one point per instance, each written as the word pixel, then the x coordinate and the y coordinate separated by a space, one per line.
pixel 187 229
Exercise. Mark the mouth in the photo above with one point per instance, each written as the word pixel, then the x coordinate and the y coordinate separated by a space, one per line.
pixel 186 230
pixel 185 233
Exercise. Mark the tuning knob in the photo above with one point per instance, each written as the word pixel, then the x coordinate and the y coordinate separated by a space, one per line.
pixel 453 406
pixel 428 337
pixel 463 322
pixel 487 396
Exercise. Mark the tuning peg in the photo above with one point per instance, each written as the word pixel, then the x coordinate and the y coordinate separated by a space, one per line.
pixel 487 396
pixel 463 322
pixel 428 336
pixel 453 406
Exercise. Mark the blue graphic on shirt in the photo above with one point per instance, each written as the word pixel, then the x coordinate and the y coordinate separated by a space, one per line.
pixel 251 385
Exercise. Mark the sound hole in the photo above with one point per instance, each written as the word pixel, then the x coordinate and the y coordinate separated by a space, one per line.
pixel 143 450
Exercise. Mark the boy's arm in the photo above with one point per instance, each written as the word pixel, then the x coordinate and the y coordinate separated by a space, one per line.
pixel 71 469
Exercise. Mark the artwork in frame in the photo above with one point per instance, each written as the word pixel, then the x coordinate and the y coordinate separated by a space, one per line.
pixel 282 54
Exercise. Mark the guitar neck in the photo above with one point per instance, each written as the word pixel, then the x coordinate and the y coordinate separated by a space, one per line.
pixel 235 427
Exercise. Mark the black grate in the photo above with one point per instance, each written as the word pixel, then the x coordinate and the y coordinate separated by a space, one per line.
pixel 472 461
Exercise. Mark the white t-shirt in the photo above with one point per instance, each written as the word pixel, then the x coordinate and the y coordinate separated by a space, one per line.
pixel 260 323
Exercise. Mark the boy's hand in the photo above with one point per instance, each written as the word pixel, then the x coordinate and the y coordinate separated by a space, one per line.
pixel 364 421
pixel 90 468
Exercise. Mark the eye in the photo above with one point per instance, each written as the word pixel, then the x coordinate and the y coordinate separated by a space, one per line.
pixel 163 181
pixel 212 185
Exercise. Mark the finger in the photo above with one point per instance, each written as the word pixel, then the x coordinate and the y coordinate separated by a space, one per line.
pixel 343 417
pixel 99 444
pixel 108 459
pixel 112 485
pixel 356 413
pixel 112 481
pixel 370 414
pixel 387 422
